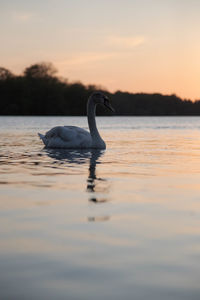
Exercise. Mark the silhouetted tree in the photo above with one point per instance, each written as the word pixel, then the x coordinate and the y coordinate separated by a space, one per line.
pixel 40 92
pixel 5 74
pixel 42 70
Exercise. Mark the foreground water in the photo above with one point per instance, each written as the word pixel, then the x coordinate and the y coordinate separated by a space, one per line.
pixel 117 224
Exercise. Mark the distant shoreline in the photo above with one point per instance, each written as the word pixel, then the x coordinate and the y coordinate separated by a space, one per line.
pixel 38 92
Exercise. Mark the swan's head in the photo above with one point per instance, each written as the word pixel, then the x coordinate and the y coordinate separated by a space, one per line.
pixel 100 98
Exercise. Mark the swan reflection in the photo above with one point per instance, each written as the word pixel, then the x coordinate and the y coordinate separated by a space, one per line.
pixel 93 179
pixel 95 185
pixel 98 219
pixel 69 156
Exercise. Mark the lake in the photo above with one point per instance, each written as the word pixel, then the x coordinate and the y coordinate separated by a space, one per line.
pixel 123 223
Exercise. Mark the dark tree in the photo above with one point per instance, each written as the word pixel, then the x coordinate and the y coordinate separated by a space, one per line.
pixel 42 70
pixel 40 92
pixel 5 74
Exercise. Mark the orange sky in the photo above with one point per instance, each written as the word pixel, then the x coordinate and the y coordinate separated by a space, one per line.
pixel 137 46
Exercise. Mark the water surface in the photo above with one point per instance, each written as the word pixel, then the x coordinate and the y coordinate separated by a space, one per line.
pixel 123 223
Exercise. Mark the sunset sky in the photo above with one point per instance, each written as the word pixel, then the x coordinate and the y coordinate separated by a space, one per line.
pixel 129 45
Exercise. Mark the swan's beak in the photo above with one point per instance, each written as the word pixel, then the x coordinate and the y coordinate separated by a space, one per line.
pixel 108 105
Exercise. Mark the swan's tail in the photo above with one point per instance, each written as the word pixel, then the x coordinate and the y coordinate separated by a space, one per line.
pixel 43 138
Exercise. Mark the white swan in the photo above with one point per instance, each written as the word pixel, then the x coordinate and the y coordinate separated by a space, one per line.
pixel 73 137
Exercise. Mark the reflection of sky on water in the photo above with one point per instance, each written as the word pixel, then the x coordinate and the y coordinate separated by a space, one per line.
pixel 143 242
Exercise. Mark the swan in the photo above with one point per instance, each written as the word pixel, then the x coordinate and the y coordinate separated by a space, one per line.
pixel 73 137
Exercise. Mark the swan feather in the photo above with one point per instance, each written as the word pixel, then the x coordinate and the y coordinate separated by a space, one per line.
pixel 67 137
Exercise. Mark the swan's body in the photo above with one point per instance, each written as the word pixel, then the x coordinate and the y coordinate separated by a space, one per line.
pixel 67 137
pixel 72 137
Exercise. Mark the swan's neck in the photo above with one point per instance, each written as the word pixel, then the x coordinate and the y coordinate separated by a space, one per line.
pixel 91 110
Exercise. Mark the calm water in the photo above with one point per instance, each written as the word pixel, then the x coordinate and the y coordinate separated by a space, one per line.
pixel 117 224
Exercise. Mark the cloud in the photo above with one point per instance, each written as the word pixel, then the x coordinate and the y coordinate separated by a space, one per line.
pixel 125 42
pixel 22 16
pixel 118 47
pixel 86 58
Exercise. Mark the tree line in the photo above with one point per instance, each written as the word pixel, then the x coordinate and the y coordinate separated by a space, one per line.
pixel 39 91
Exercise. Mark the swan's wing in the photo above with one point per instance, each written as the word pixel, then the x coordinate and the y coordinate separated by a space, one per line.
pixel 67 137
pixel 67 133
pixel 74 132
